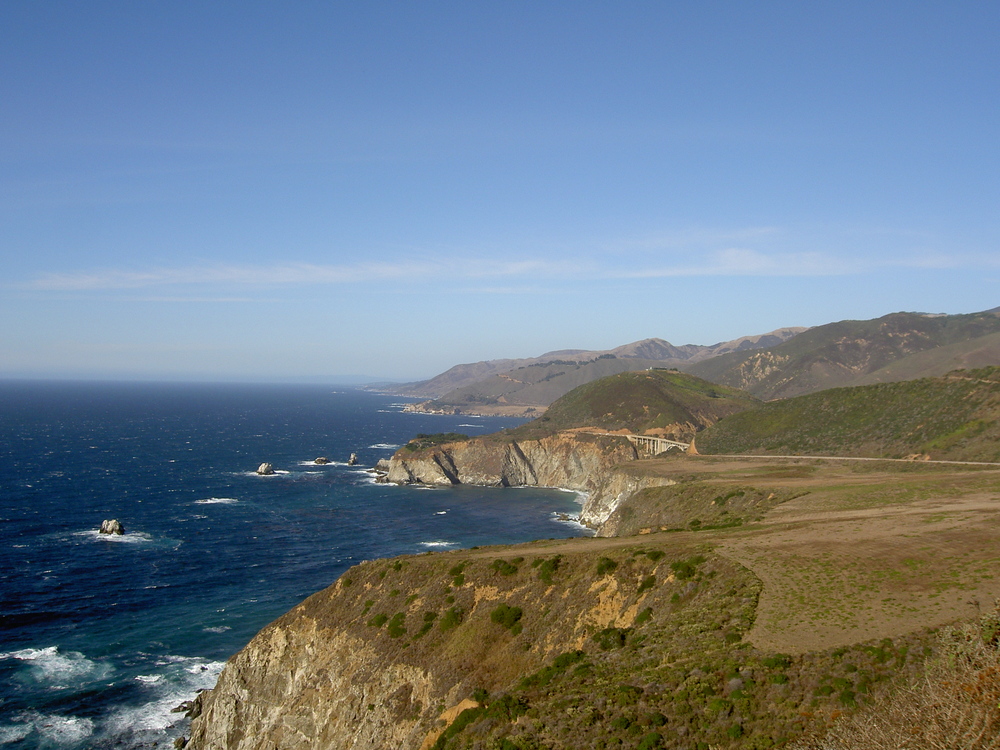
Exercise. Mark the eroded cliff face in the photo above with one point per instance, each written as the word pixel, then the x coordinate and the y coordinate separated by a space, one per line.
pixel 377 659
pixel 583 462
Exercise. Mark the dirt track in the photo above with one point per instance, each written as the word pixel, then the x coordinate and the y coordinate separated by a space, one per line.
pixel 865 553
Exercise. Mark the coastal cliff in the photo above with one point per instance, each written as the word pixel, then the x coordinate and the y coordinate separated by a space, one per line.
pixel 377 659
pixel 587 463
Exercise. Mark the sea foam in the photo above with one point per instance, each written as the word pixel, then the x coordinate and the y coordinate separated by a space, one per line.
pixel 58 670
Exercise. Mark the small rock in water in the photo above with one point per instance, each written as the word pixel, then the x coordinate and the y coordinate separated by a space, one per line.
pixel 322 460
pixel 265 468
pixel 353 459
pixel 112 526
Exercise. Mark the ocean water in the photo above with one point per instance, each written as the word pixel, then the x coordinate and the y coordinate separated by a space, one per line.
pixel 101 637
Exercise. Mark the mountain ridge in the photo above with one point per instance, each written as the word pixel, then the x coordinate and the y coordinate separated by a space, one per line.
pixel 654 349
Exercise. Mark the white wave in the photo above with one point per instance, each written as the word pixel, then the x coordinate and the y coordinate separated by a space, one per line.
pixel 573 521
pixel 14 733
pixel 131 537
pixel 385 446
pixel 580 498
pixel 149 679
pixel 471 425
pixel 59 670
pixel 438 544
pixel 217 501
pixel 218 629
pixel 277 472
pixel 52 728
pixel 440 513
pixel 328 463
pixel 180 680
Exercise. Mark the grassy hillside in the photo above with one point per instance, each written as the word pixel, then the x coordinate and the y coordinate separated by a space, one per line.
pixel 650 401
pixel 637 646
pixel 841 354
pixel 955 417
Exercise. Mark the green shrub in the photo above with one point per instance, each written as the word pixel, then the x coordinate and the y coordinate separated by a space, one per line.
pixel 458 581
pixel 423 440
pixel 468 716
pixel 429 618
pixel 611 638
pixel 778 661
pixel 647 583
pixel 650 741
pixel 547 568
pixel 606 565
pixel 507 708
pixel 503 567
pixel 848 698
pixel 457 569
pixel 506 616
pixel 655 555
pixel 645 616
pixel 568 659
pixel 735 731
pixel 396 629
pixel 452 618
pixel 378 620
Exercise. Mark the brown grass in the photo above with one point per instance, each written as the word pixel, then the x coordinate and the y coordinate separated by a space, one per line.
pixel 954 706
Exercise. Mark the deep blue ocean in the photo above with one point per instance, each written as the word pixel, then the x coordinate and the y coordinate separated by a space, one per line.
pixel 100 637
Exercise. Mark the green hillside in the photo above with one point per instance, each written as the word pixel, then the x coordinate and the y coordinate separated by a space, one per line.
pixel 955 417
pixel 641 402
pixel 538 385
pixel 846 353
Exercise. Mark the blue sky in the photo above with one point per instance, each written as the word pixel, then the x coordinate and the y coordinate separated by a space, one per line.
pixel 306 191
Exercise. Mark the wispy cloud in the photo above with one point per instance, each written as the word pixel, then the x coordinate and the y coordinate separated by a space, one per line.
pixel 293 274
pixel 744 262
pixel 753 252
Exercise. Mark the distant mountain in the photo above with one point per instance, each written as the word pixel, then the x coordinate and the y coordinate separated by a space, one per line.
pixel 899 346
pixel 954 417
pixel 651 352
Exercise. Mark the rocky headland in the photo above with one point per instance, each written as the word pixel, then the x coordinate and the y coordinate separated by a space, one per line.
pixel 586 463
pixel 791 593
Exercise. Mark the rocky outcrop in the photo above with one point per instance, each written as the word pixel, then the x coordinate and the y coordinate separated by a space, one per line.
pixel 322 461
pixel 353 460
pixel 583 462
pixel 265 469
pixel 112 526
pixel 396 649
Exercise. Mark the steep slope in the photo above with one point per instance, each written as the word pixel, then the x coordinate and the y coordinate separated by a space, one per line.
pixel 955 417
pixel 840 354
pixel 535 646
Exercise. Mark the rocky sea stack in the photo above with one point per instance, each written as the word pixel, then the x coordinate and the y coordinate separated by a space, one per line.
pixel 112 526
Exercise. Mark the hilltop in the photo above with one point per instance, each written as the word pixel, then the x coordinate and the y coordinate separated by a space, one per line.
pixel 899 346
pixel 661 402
pixel 954 417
